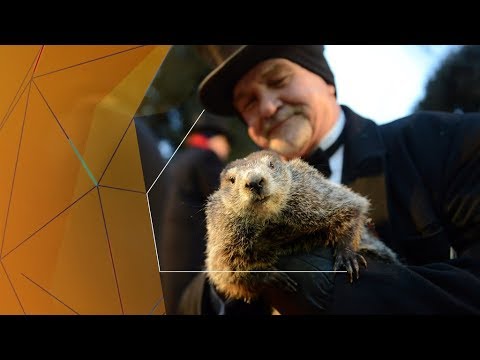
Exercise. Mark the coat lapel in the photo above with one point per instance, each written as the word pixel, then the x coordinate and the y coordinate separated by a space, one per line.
pixel 364 166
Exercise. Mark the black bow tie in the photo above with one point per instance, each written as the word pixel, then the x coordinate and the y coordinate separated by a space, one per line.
pixel 319 158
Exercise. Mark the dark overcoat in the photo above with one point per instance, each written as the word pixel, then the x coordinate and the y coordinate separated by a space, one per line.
pixel 422 176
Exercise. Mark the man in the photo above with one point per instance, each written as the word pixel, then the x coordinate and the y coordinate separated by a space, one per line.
pixel 421 174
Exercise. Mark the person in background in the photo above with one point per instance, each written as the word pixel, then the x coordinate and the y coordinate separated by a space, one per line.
pixel 421 174
pixel 189 178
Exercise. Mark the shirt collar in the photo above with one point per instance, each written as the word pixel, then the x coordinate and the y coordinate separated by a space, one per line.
pixel 334 132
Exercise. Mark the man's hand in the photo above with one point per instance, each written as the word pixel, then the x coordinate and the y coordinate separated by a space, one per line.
pixel 313 272
pixel 313 295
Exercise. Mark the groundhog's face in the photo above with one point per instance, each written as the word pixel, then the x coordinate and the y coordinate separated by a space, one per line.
pixel 257 185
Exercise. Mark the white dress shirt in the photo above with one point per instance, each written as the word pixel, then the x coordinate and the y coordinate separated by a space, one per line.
pixel 336 160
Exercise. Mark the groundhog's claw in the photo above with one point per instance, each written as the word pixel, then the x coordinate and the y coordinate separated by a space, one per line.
pixel 284 281
pixel 362 259
pixel 348 258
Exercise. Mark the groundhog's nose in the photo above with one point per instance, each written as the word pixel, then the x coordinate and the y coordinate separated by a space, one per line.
pixel 255 184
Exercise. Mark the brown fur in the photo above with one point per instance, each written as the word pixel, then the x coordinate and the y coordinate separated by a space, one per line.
pixel 293 210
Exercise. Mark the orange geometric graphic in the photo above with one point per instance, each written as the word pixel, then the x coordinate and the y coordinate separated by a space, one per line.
pixel 117 175
pixel 17 63
pixel 48 174
pixel 70 259
pixel 8 301
pixel 9 145
pixel 127 220
pixel 60 57
pixel 75 231
pixel 96 121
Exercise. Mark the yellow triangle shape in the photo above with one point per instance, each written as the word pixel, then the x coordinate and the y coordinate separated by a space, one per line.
pixel 125 169
pixel 133 249
pixel 160 309
pixel 96 101
pixel 59 57
pixel 49 175
pixel 16 68
pixel 9 142
pixel 8 301
pixel 70 259
pixel 36 301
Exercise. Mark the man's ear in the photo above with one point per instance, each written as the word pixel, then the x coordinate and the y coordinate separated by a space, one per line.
pixel 251 134
pixel 332 90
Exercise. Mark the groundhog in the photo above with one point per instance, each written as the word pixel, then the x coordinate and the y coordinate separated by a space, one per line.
pixel 267 207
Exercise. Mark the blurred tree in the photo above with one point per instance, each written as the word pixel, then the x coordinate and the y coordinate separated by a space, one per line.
pixel 176 80
pixel 213 55
pixel 455 86
pixel 171 104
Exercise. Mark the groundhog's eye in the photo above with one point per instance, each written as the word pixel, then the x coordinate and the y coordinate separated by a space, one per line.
pixel 231 179
pixel 270 165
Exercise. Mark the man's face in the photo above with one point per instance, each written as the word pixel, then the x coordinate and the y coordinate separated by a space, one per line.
pixel 287 108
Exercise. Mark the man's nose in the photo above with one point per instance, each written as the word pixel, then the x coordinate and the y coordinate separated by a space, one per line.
pixel 268 105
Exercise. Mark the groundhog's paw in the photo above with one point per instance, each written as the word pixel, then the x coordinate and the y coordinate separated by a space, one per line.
pixel 282 280
pixel 350 260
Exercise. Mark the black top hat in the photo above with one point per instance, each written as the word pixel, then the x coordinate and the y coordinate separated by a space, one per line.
pixel 216 90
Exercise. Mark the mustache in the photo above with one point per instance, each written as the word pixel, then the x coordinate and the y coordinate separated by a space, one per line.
pixel 283 113
pixel 286 111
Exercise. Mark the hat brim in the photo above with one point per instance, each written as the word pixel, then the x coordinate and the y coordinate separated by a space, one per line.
pixel 216 90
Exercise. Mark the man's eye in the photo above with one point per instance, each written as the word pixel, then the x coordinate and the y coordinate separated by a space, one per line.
pixel 276 82
pixel 248 104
